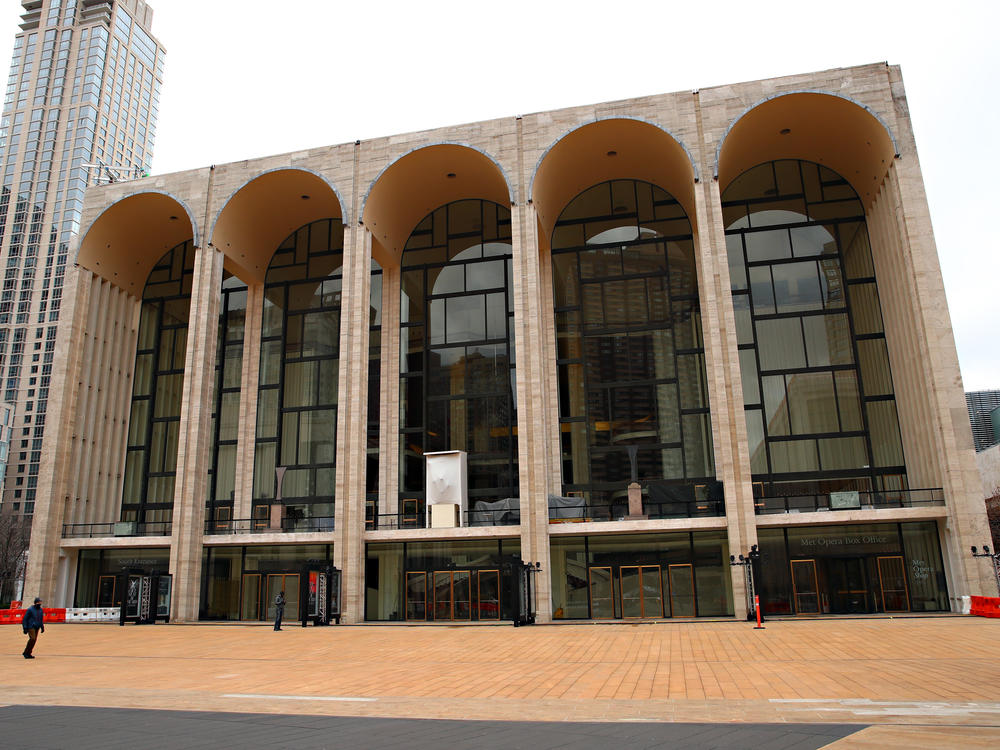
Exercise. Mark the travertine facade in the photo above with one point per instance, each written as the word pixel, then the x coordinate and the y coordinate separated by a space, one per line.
pixel 691 144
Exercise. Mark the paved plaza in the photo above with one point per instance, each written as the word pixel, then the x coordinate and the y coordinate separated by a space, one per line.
pixel 903 682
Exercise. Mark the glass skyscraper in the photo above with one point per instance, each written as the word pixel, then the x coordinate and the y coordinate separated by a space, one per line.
pixel 80 108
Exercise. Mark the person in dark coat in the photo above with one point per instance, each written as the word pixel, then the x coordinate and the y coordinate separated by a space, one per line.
pixel 32 623
pixel 279 609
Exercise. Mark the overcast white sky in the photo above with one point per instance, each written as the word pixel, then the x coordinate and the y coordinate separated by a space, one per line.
pixel 248 78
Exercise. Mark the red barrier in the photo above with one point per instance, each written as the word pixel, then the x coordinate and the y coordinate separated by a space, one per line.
pixel 13 616
pixel 985 606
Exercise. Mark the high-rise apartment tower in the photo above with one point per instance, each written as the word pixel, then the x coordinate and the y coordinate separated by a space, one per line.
pixel 81 107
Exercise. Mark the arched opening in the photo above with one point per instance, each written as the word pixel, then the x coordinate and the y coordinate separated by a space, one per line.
pixel 157 389
pixel 263 212
pixel 813 126
pixel 817 387
pixel 417 183
pixel 630 354
pixel 457 349
pixel 606 150
pixel 131 236
pixel 299 375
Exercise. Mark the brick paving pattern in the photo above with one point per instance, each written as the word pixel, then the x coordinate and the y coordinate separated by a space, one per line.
pixel 936 672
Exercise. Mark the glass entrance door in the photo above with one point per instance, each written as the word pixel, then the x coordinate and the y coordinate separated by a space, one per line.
pixel 892 578
pixel 641 590
pixel 488 583
pixel 848 585
pixel 681 583
pixel 416 596
pixel 602 595
pixel 805 587
pixel 106 591
pixel 250 600
pixel 289 583
pixel 452 595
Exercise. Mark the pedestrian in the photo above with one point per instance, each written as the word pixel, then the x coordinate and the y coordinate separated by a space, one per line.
pixel 279 609
pixel 31 624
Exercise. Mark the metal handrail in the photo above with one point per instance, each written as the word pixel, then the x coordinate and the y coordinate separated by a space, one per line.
pixel 314 524
pixel 116 528
pixel 652 510
pixel 409 520
pixel 849 500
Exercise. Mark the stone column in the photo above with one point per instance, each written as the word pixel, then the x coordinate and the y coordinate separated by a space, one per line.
pixel 926 377
pixel 249 380
pixel 352 422
pixel 725 386
pixel 41 576
pixel 535 431
pixel 194 447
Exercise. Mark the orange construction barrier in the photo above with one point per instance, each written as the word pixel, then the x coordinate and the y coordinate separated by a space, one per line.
pixel 13 616
pixel 985 606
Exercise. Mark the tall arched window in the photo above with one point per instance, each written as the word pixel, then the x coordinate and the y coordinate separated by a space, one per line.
pixel 457 347
pixel 299 369
pixel 157 387
pixel 818 395
pixel 630 354
pixel 226 411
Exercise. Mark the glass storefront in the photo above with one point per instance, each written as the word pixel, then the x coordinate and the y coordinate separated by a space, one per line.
pixel 240 583
pixel 889 567
pixel 682 574
pixel 99 573
pixel 441 581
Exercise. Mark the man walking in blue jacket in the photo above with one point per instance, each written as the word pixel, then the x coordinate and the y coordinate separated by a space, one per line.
pixel 32 623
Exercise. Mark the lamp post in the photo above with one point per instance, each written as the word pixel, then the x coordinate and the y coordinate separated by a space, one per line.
pixel 994 556
pixel 747 563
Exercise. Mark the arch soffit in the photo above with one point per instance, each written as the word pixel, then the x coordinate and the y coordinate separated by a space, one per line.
pixel 130 236
pixel 259 214
pixel 644 150
pixel 860 147
pixel 417 182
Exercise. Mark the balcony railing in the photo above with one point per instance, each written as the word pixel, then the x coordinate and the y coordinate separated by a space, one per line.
pixel 418 520
pixel 263 525
pixel 116 528
pixel 851 500
pixel 651 510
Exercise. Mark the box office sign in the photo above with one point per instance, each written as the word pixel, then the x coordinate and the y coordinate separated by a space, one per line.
pixel 843 543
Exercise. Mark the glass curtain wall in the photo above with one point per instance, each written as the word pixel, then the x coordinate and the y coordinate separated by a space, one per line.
pixel 154 421
pixel 630 353
pixel 374 396
pixel 457 348
pixel 299 368
pixel 226 408
pixel 240 583
pixel 682 574
pixel 865 568
pixel 818 394
pixel 461 580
